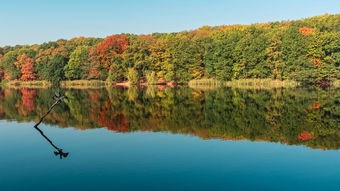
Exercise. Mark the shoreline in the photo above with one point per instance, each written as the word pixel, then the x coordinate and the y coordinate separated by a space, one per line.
pixel 195 84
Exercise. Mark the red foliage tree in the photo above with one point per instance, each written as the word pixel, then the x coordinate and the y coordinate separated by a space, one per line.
pixel 27 70
pixel 109 48
pixel 94 96
pixel 27 67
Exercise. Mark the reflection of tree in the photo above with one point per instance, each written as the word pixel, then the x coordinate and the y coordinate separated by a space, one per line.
pixel 278 115
pixel 27 98
pixel 107 116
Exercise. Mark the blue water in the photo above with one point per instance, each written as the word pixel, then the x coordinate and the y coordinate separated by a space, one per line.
pixel 105 160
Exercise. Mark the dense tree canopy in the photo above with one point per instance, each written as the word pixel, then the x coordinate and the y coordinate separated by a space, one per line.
pixel 78 65
pixel 306 50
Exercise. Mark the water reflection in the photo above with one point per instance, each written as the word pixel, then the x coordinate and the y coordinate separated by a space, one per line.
pixel 59 152
pixel 302 116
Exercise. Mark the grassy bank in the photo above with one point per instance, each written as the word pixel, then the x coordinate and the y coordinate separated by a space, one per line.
pixel 197 84
pixel 83 84
pixel 243 83
pixel 26 84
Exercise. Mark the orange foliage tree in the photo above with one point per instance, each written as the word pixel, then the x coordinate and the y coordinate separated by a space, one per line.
pixel 305 31
pixel 27 67
pixel 109 48
pixel 27 70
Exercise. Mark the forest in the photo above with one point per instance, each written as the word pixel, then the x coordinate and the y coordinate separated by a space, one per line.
pixel 305 50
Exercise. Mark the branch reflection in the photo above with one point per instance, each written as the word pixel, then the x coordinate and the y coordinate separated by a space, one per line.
pixel 58 151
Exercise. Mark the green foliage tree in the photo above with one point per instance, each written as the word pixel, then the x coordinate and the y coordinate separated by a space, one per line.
pixel 136 55
pixel 275 57
pixel 219 58
pixel 11 70
pixel 54 69
pixel 76 67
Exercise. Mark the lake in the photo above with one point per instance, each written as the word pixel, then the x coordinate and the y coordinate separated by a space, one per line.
pixel 170 138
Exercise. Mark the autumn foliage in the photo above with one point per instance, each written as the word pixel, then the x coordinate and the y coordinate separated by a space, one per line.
pixel 27 67
pixel 109 48
pixel 305 51
pixel 306 31
pixel 27 70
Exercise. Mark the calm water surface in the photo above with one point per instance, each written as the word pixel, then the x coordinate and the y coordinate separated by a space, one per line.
pixel 171 139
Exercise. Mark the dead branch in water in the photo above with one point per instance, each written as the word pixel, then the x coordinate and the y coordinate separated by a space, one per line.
pixel 59 151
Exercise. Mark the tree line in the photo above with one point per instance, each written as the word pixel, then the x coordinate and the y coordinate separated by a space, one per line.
pixel 306 50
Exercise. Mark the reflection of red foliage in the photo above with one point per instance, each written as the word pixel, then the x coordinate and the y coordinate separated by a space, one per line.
pixel 94 96
pixel 317 62
pixel 118 124
pixel 111 120
pixel 92 116
pixel 305 135
pixel 7 92
pixel 28 99
pixel 316 105
pixel 305 31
